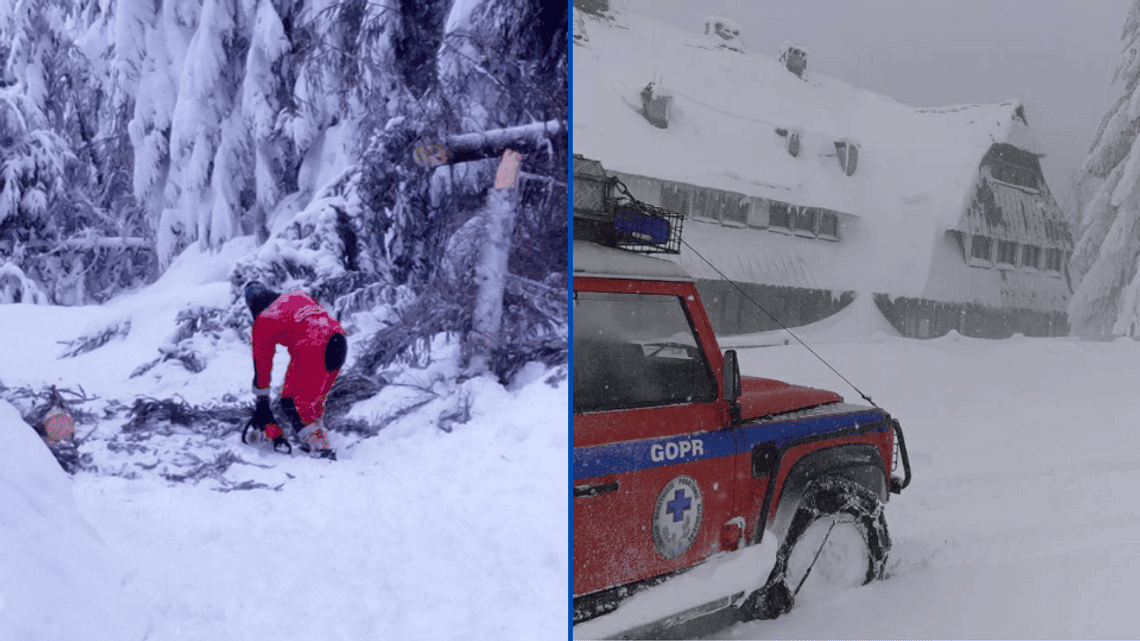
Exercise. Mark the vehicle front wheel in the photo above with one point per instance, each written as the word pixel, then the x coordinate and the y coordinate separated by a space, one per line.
pixel 836 540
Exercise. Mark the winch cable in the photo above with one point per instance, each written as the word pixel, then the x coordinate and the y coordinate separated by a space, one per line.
pixel 777 321
pixel 621 187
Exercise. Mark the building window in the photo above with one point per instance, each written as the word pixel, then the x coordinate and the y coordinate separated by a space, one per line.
pixel 736 210
pixel 675 197
pixel 757 213
pixel 1013 166
pixel 980 248
pixel 701 207
pixel 713 204
pixel 803 221
pixel 1013 174
pixel 1007 252
pixel 739 213
pixel 829 226
pixel 717 207
pixel 1031 256
pixel 1053 259
pixel 808 222
pixel 731 208
pixel 778 216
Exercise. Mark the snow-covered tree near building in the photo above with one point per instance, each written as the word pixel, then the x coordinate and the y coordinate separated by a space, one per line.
pixel 1107 299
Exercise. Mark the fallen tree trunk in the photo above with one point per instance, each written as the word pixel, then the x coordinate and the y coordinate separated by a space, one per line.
pixel 493 142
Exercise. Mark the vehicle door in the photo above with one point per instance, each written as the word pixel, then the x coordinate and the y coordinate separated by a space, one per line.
pixel 653 466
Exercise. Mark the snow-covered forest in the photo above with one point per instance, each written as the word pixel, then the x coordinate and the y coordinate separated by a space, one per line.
pixel 156 156
pixel 132 130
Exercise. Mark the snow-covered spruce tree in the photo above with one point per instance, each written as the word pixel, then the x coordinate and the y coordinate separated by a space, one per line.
pixel 217 129
pixel 1107 299
pixel 60 209
pixel 209 148
pixel 270 108
pixel 308 106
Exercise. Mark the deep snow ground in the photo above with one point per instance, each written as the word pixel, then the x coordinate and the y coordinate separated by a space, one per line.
pixel 1023 518
pixel 413 534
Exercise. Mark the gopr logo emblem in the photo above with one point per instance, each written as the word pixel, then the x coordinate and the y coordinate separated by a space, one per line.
pixel 677 516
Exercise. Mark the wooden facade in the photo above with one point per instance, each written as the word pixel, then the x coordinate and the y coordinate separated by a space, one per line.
pixel 919 318
pixel 744 308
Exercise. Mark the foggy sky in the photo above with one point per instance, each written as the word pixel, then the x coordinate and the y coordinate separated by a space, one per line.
pixel 1057 56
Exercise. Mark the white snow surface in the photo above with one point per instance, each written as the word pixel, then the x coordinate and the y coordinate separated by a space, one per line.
pixel 415 533
pixel 916 171
pixel 731 575
pixel 58 579
pixel 1021 520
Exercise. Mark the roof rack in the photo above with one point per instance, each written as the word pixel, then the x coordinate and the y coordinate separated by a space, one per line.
pixel 618 219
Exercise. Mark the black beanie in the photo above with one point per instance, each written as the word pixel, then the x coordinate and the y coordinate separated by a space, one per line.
pixel 258 297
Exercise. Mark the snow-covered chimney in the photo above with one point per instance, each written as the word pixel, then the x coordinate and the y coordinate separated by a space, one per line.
pixel 592 6
pixel 791 140
pixel 655 105
pixel 794 58
pixel 724 32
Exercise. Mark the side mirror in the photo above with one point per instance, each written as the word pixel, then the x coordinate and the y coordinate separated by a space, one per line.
pixel 731 377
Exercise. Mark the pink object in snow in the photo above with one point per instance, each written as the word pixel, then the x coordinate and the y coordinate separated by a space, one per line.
pixel 58 425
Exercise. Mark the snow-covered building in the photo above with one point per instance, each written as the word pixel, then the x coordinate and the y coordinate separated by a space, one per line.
pixel 806 191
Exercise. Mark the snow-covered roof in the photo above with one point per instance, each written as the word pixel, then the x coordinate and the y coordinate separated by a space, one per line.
pixel 916 167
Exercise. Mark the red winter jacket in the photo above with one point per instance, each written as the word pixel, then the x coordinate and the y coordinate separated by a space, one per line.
pixel 298 322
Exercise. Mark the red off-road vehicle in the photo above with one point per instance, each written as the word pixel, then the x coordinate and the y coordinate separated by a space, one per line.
pixel 679 461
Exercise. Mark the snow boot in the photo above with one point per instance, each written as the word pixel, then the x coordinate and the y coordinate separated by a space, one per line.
pixel 315 441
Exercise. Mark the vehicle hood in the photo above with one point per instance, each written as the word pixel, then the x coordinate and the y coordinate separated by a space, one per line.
pixel 764 397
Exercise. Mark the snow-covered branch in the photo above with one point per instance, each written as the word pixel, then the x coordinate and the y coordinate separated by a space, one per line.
pixel 107 243
pixel 83 242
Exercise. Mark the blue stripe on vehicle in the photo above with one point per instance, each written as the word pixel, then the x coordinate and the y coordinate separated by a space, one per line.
pixel 632 456
pixel 599 460
pixel 786 432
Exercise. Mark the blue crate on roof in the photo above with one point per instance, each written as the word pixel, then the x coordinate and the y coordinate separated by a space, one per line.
pixel 642 227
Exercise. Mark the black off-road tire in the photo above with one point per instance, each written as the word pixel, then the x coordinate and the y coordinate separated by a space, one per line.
pixel 831 500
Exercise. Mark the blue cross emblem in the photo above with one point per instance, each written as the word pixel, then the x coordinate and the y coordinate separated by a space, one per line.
pixel 678 505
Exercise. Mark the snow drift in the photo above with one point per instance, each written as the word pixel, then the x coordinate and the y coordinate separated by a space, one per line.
pixel 58 579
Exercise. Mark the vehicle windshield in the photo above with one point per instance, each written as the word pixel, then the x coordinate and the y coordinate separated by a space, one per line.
pixel 636 350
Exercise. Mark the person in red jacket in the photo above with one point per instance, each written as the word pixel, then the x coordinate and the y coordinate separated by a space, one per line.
pixel 317 349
